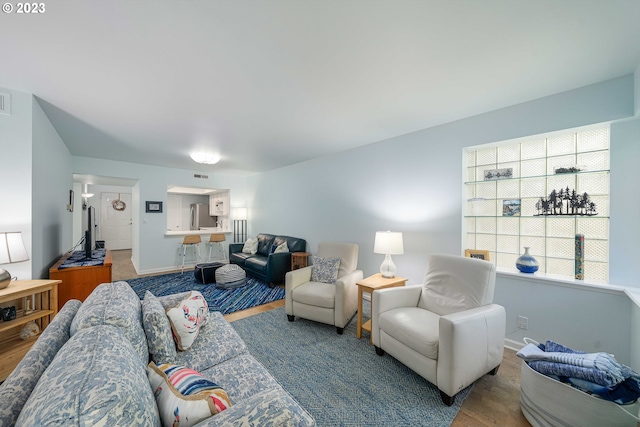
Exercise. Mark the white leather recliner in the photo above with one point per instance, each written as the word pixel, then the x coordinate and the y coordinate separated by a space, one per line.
pixel 447 329
pixel 330 303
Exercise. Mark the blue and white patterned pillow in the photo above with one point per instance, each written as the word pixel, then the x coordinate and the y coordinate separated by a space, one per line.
pixel 325 270
pixel 158 329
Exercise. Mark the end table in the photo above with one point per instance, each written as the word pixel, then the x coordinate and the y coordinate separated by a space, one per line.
pixel 299 260
pixel 369 285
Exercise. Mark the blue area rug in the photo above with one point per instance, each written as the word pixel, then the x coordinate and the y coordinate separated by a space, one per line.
pixel 255 292
pixel 339 379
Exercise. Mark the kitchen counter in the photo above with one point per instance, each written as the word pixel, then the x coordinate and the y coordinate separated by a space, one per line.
pixel 201 232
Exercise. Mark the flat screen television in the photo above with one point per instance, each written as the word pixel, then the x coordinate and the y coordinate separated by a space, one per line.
pixel 88 234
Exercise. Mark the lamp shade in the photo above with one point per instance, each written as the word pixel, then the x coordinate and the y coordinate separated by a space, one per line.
pixel 240 214
pixel 388 242
pixel 12 248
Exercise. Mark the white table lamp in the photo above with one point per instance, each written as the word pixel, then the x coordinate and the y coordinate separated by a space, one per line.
pixel 388 243
pixel 11 250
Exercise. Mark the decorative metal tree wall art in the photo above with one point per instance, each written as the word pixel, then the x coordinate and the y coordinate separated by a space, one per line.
pixel 566 202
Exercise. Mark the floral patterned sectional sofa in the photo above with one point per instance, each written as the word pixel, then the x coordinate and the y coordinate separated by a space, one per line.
pixel 90 367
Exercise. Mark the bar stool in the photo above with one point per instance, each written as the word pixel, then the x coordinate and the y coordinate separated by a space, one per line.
pixel 217 239
pixel 192 241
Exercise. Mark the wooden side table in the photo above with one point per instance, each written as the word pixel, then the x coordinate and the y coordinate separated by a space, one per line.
pixel 369 285
pixel 44 294
pixel 299 260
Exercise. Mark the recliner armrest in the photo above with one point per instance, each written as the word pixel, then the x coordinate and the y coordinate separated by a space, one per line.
pixel 349 279
pixel 471 344
pixel 292 280
pixel 346 302
pixel 388 299
pixel 295 278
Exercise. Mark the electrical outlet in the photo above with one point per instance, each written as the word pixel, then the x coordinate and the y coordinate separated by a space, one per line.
pixel 523 322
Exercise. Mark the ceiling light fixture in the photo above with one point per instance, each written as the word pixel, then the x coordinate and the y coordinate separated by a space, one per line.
pixel 205 158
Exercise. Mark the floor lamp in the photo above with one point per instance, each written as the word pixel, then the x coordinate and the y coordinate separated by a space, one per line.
pixel 239 225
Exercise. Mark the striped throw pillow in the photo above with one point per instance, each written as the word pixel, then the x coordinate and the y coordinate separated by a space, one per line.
pixel 185 397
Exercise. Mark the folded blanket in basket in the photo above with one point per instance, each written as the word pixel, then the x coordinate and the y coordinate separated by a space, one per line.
pixel 600 368
pixel 590 380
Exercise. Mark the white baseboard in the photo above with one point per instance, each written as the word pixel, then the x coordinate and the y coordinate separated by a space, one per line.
pixel 513 345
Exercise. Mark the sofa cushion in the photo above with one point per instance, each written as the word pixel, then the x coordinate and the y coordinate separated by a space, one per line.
pixel 257 264
pixel 325 270
pixel 217 342
pixel 264 243
pixel 170 301
pixel 184 396
pixel 96 379
pixel 244 379
pixel 186 318
pixel 15 390
pixel 414 327
pixel 157 328
pixel 118 305
pixel 239 258
pixel 317 294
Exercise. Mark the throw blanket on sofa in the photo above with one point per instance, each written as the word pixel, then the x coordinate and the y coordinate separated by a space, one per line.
pixel 597 373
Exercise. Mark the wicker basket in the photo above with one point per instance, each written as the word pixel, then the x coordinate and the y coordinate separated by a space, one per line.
pixel 546 402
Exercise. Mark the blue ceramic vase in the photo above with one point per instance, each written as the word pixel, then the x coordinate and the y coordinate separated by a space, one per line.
pixel 526 263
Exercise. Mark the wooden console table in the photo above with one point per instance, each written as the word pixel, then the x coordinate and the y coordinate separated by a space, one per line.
pixel 44 294
pixel 79 282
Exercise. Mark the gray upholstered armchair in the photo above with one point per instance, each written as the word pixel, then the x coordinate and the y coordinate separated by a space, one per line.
pixel 447 330
pixel 330 303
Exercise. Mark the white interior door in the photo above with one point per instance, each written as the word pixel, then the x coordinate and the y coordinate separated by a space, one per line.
pixel 115 220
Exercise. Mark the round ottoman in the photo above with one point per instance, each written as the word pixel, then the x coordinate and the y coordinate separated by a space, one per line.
pixel 230 276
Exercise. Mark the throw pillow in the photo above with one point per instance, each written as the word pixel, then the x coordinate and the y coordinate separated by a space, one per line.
pixel 156 325
pixel 250 246
pixel 186 319
pixel 276 249
pixel 184 396
pixel 325 270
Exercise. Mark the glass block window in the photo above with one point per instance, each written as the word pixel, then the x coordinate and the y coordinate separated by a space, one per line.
pixel 539 193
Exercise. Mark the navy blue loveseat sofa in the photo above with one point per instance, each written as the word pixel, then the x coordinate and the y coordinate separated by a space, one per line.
pixel 265 265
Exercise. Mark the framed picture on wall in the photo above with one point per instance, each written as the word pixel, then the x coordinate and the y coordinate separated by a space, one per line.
pixel 477 253
pixel 154 207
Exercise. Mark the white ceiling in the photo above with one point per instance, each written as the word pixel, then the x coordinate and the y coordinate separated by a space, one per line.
pixel 271 83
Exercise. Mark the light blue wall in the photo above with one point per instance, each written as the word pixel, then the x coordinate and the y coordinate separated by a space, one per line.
pixel 52 180
pixel 635 338
pixel 153 251
pixel 412 184
pixel 15 175
pixel 624 225
pixel 637 90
